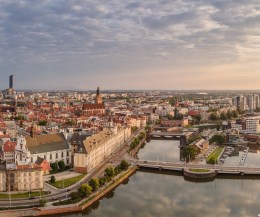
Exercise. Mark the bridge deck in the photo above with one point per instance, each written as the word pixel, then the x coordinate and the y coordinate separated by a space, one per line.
pixel 180 166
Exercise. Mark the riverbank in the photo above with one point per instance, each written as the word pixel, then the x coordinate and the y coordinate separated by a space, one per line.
pixel 85 203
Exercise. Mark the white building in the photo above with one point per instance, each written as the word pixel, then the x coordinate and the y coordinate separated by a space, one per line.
pixel 97 148
pixel 252 125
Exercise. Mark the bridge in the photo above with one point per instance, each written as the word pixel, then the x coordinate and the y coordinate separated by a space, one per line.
pixel 170 135
pixel 219 169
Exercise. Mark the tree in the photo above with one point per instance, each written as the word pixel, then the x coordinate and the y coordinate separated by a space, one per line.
pixel 74 195
pixel 219 139
pixel 133 129
pixel 94 183
pixel 223 116
pixel 61 164
pixel 124 165
pixel 42 123
pixel 229 114
pixel 54 167
pixel 190 152
pixel 178 116
pixel 109 172
pixel 102 180
pixel 85 190
pixel 53 180
pixel 213 116
pixel 198 118
pixel 42 202
pixel 234 113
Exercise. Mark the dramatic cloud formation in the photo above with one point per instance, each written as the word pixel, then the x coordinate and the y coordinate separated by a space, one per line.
pixel 145 44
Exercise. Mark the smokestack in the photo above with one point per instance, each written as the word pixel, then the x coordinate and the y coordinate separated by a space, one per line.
pixel 11 81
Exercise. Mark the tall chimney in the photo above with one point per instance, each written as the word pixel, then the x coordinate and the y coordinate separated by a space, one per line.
pixel 11 81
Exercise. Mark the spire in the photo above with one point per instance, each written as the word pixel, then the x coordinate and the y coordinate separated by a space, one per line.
pixel 98 91
pixel 32 131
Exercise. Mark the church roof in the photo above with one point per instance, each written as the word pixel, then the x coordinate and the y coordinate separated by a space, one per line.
pixel 46 143
pixel 93 106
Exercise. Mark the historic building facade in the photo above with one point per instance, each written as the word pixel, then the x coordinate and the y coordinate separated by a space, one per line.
pixel 97 148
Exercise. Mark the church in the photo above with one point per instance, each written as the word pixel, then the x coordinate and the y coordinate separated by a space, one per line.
pixel 98 107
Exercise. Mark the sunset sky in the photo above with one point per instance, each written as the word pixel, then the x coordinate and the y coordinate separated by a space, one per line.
pixel 144 44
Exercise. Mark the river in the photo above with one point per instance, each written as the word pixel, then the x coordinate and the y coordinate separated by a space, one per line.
pixel 147 194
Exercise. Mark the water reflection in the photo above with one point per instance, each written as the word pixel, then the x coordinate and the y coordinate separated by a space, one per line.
pixel 150 194
pixel 163 150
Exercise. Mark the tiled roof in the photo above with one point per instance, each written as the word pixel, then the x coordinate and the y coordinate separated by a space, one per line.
pixel 9 146
pixel 46 143
pixel 93 106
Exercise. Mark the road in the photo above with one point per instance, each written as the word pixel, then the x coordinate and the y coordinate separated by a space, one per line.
pixel 179 166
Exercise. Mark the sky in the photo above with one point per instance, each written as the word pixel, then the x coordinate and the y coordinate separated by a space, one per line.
pixel 130 44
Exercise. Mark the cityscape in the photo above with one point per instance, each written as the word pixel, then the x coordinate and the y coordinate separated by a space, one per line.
pixel 135 108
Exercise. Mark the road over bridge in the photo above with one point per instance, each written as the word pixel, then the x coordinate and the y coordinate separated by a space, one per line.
pixel 180 166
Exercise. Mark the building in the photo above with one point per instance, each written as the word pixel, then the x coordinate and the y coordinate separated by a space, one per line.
pixel 99 97
pixel 175 123
pixel 51 147
pixel 91 109
pixel 96 148
pixel 21 178
pixel 8 150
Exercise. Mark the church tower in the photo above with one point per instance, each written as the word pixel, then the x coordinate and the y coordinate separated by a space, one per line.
pixel 99 97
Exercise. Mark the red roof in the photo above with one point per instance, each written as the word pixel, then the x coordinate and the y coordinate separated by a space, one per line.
pixel 9 146
pixel 194 113
pixel 93 106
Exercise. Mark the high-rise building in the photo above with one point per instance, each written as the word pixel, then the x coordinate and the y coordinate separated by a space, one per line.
pixel 11 82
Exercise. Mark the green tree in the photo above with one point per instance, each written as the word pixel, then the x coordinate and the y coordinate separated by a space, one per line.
pixel 178 117
pixel 94 183
pixel 61 164
pixel 190 152
pixel 74 196
pixel 42 123
pixel 213 116
pixel 229 114
pixel 198 118
pixel 55 167
pixel 109 172
pixel 234 113
pixel 124 165
pixel 219 139
pixel 84 190
pixel 133 129
pixel 42 202
pixel 102 180
pixel 53 180
pixel 223 116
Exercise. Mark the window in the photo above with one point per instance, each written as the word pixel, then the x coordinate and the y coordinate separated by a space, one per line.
pixel 50 156
pixel 62 154
pixel 56 155
pixel 68 153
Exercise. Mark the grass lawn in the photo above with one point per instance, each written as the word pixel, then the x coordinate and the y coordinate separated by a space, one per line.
pixel 67 182
pixel 24 195
pixel 215 154
pixel 199 170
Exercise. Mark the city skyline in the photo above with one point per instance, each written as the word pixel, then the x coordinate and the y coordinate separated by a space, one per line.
pixel 158 45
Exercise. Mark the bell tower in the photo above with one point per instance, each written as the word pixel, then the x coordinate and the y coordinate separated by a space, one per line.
pixel 98 97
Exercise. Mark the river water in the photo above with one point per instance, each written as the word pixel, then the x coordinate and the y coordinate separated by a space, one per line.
pixel 147 194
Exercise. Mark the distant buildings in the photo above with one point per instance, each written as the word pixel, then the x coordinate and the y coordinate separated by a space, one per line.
pixel 250 125
pixel 250 102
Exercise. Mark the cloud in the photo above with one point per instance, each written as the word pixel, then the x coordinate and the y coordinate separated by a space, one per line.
pixel 101 38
